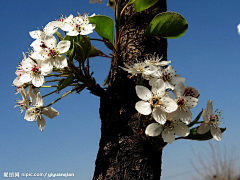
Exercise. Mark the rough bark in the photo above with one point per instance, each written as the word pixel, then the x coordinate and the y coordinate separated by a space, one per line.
pixel 124 150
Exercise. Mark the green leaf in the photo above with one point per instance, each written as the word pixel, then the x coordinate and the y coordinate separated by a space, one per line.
pixel 71 54
pixel 86 45
pixel 60 38
pixel 95 52
pixel 200 137
pixel 104 27
pixel 196 119
pixel 131 1
pixel 79 53
pixel 65 82
pixel 167 25
pixel 72 39
pixel 141 5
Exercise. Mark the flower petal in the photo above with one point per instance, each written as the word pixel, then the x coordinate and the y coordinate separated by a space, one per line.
pixel 50 112
pixel 159 115
pixel 168 136
pixel 169 104
pixel 143 93
pixel 41 123
pixel 181 129
pixel 191 101
pixel 60 61
pixel 63 46
pixel 203 128
pixel 143 107
pixel 216 133
pixel 153 129
pixel 210 107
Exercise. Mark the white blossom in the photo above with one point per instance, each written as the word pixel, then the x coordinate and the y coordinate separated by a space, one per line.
pixel 211 122
pixel 34 72
pixel 140 68
pixel 155 102
pixel 35 113
pixel 168 76
pixel 156 60
pixel 184 103
pixel 168 130
pixel 78 25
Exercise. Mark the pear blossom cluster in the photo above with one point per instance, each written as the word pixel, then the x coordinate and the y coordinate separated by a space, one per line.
pixel 167 100
pixel 46 56
pixel 32 102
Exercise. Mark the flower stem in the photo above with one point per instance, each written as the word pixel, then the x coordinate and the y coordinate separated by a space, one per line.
pixel 67 93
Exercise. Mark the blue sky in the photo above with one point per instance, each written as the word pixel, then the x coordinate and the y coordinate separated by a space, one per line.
pixel 207 56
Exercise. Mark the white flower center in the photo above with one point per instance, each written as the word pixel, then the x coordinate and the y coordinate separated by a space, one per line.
pixel 155 101
pixel 35 70
pixel 166 76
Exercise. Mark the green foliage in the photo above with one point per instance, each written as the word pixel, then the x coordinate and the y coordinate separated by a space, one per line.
pixel 196 119
pixel 167 25
pixel 86 46
pixel 72 39
pixel 104 28
pixel 60 38
pixel 79 53
pixel 131 1
pixel 95 52
pixel 65 82
pixel 141 5
pixel 200 137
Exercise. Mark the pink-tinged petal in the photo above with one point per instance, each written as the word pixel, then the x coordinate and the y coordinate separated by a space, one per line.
pixel 216 133
pixel 50 112
pixel 17 82
pixel 37 80
pixel 169 105
pixel 41 122
pixel 159 115
pixel 143 107
pixel 210 107
pixel 191 102
pixel 143 93
pixel 60 61
pixel 181 129
pixel 63 46
pixel 206 116
pixel 203 128
pixel 168 136
pixel 26 77
pixel 153 129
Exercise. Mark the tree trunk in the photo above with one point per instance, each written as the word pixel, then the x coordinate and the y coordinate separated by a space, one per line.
pixel 125 152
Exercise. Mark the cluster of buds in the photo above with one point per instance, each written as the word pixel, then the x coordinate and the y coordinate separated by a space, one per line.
pixel 47 56
pixel 171 114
